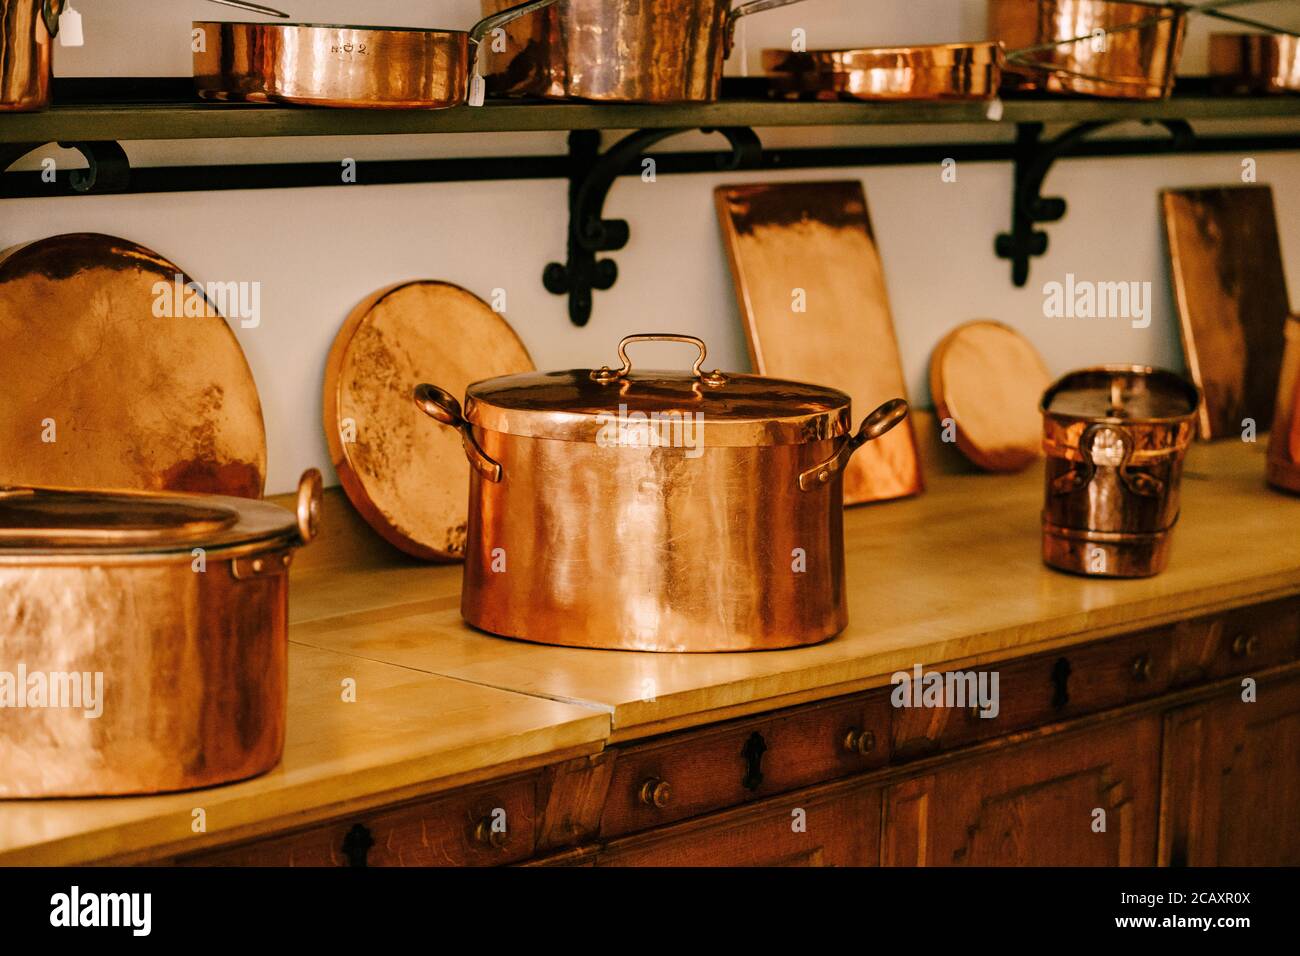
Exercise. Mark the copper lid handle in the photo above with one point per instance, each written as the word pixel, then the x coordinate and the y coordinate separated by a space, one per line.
pixel 309 504
pixel 873 426
pixel 605 374
pixel 441 406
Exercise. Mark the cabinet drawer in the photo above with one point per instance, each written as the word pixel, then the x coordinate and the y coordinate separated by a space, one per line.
pixel 1044 689
pixel 455 830
pixel 701 771
pixel 1236 642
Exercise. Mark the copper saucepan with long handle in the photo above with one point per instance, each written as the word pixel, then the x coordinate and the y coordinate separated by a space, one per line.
pixel 345 66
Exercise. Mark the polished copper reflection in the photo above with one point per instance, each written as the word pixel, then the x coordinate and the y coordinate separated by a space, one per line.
pixel 628 51
pixel 410 483
pixel 180 602
pixel 120 374
pixel 1225 263
pixel 961 71
pixel 1093 47
pixel 342 66
pixel 26 51
pixel 1284 441
pixel 725 537
pixel 1255 63
pixel 1115 439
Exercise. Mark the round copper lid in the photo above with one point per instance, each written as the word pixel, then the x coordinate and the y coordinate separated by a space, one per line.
pixel 728 409
pixel 1136 394
pixel 46 520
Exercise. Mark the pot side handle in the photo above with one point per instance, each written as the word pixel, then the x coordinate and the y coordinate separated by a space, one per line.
pixel 310 489
pixel 441 406
pixel 873 426
pixel 744 10
pixel 489 23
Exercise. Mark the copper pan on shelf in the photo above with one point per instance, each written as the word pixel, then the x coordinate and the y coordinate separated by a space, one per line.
pixel 1255 63
pixel 943 71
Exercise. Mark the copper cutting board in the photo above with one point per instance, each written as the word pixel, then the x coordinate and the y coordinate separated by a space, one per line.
pixel 1226 268
pixel 809 246
pixel 406 476
pixel 107 383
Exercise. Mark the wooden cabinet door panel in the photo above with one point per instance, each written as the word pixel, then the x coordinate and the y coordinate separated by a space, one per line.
pixel 1232 780
pixel 1034 804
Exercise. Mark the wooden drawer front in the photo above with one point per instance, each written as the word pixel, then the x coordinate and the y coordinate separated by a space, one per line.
pixel 1044 689
pixel 440 832
pixel 837 825
pixel 1237 642
pixel 1034 804
pixel 744 760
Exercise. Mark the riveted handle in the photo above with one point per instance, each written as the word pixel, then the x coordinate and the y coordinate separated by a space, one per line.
pixel 442 407
pixel 873 426
pixel 605 374
pixel 655 793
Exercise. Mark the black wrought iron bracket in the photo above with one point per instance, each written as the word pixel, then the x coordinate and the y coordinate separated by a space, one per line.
pixel 591 174
pixel 108 170
pixel 1033 158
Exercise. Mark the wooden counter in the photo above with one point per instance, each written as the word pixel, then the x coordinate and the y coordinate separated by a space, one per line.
pixel 952 577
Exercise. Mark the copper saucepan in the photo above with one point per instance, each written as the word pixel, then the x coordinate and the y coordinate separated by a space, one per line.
pixel 655 510
pixel 345 66
pixel 624 51
pixel 941 71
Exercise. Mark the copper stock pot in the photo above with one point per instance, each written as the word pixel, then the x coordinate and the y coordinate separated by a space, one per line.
pixel 655 510
pixel 143 638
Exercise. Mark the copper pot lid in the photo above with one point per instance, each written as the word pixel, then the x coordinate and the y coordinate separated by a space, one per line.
pixel 121 373
pixel 1119 394
pixel 410 482
pixel 42 521
pixel 591 405
pixel 987 379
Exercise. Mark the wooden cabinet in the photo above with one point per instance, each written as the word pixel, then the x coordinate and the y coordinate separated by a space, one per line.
pixel 1232 779
pixel 1035 804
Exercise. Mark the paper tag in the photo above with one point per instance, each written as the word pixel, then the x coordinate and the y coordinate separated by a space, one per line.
pixel 994 112
pixel 477 90
pixel 70 28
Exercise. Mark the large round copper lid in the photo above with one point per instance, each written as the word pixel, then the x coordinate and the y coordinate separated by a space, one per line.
pixel 40 521
pixel 624 406
pixel 1134 394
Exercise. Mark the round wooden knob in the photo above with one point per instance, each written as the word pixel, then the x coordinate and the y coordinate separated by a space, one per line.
pixel 487 835
pixel 860 742
pixel 1141 667
pixel 656 793
pixel 1245 645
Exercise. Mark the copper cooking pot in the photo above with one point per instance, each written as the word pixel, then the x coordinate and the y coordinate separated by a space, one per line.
pixel 625 51
pixel 1115 438
pixel 29 27
pixel 940 71
pixel 345 66
pixel 655 511
pixel 157 624
pixel 1127 49
pixel 1255 63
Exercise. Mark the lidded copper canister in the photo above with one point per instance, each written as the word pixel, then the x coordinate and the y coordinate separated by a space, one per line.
pixel 1115 438
pixel 1284 442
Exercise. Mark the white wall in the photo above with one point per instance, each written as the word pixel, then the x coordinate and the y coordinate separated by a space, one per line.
pixel 318 251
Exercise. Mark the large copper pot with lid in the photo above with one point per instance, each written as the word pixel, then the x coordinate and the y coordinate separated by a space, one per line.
pixel 1115 438
pixel 655 510
pixel 143 638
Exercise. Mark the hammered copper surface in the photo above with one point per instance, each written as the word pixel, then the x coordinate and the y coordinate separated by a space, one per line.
pixel 26 53
pixel 1255 63
pixel 962 71
pixel 141 667
pixel 1225 263
pixel 341 66
pixel 988 379
pixel 657 545
pixel 410 482
pixel 628 51
pixel 102 392
pixel 1284 441
pixel 809 247
pixel 1094 47
pixel 1115 439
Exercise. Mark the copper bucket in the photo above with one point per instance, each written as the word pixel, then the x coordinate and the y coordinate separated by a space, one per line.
pixel 1115 438
pixel 29 27
pixel 1284 442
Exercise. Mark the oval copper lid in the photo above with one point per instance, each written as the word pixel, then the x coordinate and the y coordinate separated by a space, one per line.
pixel 732 410
pixel 49 520
pixel 1118 394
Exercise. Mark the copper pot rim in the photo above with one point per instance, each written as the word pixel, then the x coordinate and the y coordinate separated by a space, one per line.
pixel 353 27
pixel 1191 390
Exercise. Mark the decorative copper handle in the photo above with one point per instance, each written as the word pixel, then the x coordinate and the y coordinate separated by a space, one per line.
pixel 873 426
pixel 309 503
pixel 442 407
pixel 605 374
pixel 1110 446
pixel 655 793
pixel 488 836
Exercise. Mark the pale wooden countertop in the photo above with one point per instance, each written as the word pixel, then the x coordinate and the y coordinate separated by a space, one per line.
pixel 951 576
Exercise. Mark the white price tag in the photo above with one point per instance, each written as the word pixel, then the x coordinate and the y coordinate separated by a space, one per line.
pixel 994 112
pixel 477 90
pixel 70 28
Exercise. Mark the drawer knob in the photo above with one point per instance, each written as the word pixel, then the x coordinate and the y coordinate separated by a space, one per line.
pixel 860 742
pixel 1141 668
pixel 1245 645
pixel 489 836
pixel 655 793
